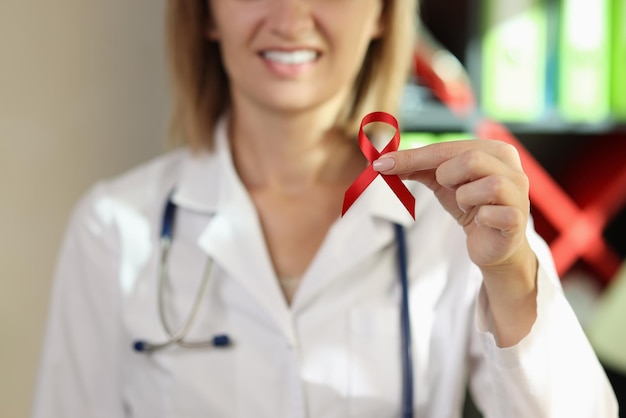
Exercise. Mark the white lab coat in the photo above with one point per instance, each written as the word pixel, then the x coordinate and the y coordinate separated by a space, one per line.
pixel 334 353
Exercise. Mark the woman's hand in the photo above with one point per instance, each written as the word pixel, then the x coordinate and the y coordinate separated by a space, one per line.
pixel 482 185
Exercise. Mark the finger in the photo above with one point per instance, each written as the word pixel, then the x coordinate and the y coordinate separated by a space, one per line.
pixel 426 177
pixel 433 155
pixel 492 190
pixel 469 166
pixel 507 219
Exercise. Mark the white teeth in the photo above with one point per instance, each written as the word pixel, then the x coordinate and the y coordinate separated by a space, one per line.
pixel 291 57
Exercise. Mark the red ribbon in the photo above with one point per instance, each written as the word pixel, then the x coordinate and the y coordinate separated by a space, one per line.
pixel 368 175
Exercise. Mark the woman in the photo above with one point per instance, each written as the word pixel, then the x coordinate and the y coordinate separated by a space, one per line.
pixel 304 303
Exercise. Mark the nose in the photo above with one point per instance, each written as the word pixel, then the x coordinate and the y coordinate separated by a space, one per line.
pixel 290 18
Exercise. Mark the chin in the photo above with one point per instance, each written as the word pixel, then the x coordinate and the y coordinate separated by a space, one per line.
pixel 293 101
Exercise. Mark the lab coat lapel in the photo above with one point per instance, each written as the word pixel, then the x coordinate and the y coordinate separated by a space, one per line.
pixel 364 229
pixel 234 240
pixel 233 236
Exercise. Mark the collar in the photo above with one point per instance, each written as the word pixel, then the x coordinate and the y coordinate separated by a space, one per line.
pixel 203 174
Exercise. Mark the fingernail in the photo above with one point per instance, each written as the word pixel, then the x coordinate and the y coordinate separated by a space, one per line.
pixel 383 164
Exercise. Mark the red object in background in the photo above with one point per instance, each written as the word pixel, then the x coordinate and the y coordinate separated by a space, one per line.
pixel 572 221
pixel 595 178
pixel 438 69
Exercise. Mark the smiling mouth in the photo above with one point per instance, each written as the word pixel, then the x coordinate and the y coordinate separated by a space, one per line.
pixel 297 57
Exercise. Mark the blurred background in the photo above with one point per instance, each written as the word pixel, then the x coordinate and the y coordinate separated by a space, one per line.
pixel 83 96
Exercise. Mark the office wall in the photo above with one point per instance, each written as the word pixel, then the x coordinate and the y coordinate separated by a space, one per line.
pixel 83 95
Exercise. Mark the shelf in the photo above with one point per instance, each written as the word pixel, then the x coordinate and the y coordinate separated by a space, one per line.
pixel 421 112
pixel 553 123
pixel 435 117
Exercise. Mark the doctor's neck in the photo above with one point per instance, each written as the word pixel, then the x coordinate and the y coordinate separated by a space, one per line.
pixel 293 151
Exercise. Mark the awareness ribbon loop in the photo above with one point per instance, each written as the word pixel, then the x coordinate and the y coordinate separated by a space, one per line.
pixel 368 175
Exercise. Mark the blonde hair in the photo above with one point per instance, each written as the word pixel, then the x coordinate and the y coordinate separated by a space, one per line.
pixel 200 84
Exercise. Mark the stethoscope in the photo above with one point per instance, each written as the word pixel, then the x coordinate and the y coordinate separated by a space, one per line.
pixel 177 337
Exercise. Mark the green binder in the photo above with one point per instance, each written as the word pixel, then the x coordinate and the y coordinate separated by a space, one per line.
pixel 618 57
pixel 514 59
pixel 584 60
pixel 409 140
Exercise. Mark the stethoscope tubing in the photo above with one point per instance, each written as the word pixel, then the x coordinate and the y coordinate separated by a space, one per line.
pixel 177 337
pixel 405 325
